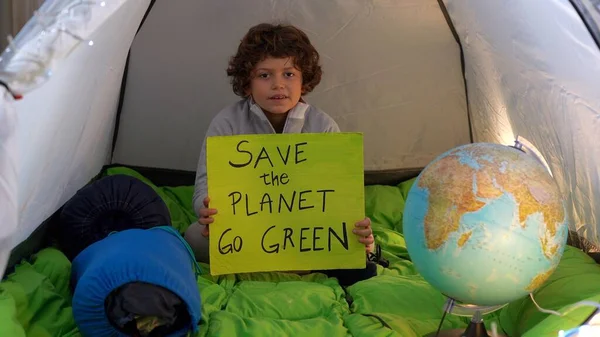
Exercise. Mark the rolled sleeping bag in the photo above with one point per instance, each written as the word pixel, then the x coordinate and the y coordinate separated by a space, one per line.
pixel 137 282
pixel 112 203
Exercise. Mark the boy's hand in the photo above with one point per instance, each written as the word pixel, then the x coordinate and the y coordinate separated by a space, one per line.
pixel 206 216
pixel 365 233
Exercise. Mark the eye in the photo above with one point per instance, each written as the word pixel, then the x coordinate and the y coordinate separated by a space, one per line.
pixel 263 75
pixel 289 74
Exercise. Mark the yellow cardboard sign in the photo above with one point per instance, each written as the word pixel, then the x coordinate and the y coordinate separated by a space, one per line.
pixel 285 202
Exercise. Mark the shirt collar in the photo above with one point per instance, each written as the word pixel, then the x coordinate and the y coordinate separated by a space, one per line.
pixel 297 112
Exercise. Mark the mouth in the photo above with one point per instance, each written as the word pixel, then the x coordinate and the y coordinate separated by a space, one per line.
pixel 278 97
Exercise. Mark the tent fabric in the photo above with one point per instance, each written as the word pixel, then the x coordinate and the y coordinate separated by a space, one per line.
pixel 589 11
pixel 70 92
pixel 107 205
pixel 36 297
pixel 532 70
pixel 8 176
pixel 392 70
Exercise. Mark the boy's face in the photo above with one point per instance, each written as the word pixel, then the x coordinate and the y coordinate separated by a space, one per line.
pixel 276 85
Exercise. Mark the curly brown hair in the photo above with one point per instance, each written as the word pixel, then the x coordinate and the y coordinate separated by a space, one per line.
pixel 274 40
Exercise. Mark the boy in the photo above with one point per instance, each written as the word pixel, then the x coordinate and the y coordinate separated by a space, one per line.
pixel 273 67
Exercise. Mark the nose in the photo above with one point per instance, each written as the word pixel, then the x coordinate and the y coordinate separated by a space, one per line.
pixel 278 83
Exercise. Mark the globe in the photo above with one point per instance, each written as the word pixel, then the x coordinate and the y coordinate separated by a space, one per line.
pixel 485 224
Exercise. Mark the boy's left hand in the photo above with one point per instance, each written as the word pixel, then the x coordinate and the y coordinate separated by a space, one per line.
pixel 365 234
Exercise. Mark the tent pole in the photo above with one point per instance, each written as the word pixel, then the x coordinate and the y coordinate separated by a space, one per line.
pixel 462 64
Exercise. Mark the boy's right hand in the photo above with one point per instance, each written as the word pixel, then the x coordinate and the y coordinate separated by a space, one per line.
pixel 206 216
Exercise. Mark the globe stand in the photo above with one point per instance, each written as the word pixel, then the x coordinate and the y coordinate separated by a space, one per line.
pixel 476 327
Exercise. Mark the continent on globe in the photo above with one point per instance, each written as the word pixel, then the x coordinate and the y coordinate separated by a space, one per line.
pixel 491 177
pixel 485 224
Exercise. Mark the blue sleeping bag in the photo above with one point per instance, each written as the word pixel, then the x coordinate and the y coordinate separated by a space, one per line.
pixel 136 282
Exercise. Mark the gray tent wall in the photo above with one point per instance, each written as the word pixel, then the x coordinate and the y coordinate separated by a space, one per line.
pixel 533 72
pixel 392 70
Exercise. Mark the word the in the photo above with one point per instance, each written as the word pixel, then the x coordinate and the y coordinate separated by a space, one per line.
pixel 275 179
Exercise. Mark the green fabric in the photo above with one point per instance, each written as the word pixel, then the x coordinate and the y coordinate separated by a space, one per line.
pixel 35 298
pixel 577 278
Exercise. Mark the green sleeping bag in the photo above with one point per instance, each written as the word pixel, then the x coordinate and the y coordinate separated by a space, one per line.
pixel 35 296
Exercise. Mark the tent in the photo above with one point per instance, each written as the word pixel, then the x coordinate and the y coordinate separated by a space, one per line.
pixel 133 84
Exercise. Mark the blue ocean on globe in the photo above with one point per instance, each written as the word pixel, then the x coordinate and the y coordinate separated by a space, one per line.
pixel 484 254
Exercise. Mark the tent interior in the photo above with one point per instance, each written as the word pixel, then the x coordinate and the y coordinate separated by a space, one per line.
pixel 100 88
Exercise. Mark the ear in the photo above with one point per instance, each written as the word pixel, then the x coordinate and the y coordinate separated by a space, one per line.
pixel 304 90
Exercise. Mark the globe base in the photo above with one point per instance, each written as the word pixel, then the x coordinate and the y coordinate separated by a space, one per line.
pixel 474 329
